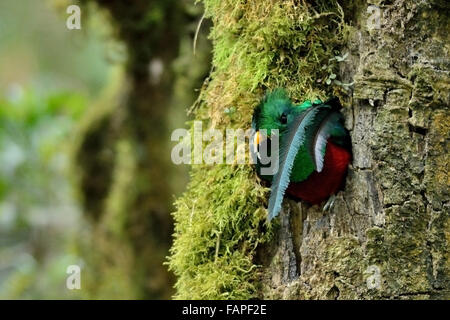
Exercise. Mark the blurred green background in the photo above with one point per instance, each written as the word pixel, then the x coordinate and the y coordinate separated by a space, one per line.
pixel 53 82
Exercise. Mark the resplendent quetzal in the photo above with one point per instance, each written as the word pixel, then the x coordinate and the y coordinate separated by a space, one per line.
pixel 314 150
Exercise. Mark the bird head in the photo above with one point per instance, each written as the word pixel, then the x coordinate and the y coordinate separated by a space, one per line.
pixel 276 112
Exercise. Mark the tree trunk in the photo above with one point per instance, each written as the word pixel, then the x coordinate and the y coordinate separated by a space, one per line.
pixel 125 174
pixel 387 235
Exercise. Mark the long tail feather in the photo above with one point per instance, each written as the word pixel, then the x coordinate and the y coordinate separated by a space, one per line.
pixel 320 133
pixel 317 134
pixel 290 145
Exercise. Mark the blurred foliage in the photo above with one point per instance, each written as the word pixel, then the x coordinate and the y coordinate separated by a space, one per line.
pixel 48 76
pixel 37 210
pixel 82 99
pixel 58 94
pixel 126 178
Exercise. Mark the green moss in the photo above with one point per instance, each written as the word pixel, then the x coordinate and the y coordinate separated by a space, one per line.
pixel 123 191
pixel 220 220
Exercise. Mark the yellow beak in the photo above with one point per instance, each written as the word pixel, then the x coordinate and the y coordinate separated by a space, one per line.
pixel 257 138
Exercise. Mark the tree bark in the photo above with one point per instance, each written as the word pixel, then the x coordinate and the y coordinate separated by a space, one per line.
pixel 387 235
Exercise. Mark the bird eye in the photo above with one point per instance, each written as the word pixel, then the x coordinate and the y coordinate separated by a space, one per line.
pixel 283 118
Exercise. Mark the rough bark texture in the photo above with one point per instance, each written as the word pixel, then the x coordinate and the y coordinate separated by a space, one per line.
pixel 388 234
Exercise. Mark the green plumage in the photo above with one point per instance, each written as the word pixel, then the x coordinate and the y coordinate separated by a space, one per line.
pixel 267 116
pixel 303 133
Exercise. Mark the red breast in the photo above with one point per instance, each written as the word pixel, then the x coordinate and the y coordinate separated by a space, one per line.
pixel 320 185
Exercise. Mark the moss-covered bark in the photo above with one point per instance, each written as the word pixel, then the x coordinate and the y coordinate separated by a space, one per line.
pixel 388 233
